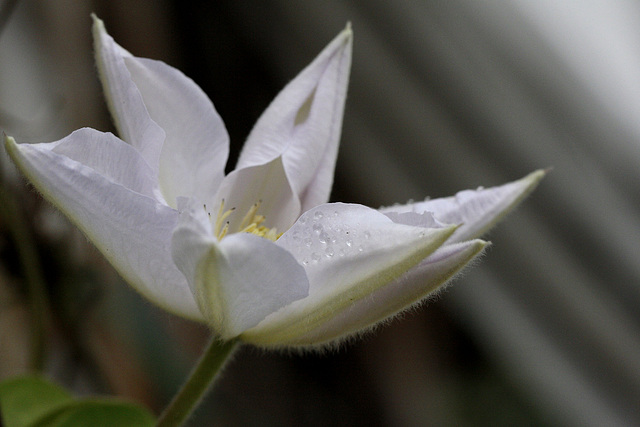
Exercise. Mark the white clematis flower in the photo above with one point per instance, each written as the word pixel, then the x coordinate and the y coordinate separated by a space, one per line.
pixel 258 254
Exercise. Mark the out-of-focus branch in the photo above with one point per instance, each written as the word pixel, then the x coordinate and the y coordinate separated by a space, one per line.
pixel 13 218
pixel 6 9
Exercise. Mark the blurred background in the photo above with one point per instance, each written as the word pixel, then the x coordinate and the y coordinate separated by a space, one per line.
pixel 444 96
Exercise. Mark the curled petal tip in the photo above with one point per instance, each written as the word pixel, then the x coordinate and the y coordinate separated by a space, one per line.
pixel 10 145
pixel 533 179
pixel 98 24
pixel 8 140
pixel 347 32
pixel 537 175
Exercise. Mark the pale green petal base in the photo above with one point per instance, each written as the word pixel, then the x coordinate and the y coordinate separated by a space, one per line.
pixel 413 288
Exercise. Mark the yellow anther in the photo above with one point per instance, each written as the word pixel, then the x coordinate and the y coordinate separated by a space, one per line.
pixel 272 234
pixel 249 228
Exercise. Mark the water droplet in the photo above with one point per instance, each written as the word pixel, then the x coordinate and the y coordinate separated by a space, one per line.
pixel 317 228
pixel 315 256
pixel 308 242
pixel 296 235
pixel 324 237
pixel 305 262
pixel 329 252
pixel 360 248
pixel 348 242
pixel 318 215
pixel 341 252
pixel 367 235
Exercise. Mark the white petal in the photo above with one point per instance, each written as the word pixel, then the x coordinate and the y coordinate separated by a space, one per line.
pixel 133 231
pixel 108 155
pixel 238 281
pixel 125 102
pixel 196 147
pixel 266 184
pixel 477 210
pixel 412 288
pixel 424 219
pixel 303 124
pixel 348 252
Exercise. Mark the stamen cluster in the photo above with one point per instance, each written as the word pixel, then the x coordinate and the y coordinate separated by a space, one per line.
pixel 251 223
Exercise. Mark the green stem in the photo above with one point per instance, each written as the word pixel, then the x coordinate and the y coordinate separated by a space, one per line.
pixel 198 384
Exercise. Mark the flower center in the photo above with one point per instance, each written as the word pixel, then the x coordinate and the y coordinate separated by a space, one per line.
pixel 251 223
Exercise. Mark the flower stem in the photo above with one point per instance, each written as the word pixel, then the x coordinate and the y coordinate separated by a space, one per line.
pixel 199 382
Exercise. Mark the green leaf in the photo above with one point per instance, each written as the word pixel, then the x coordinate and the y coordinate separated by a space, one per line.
pixel 98 413
pixel 35 402
pixel 23 400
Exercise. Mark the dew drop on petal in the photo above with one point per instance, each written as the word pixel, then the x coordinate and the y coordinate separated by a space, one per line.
pixel 348 242
pixel 329 252
pixel 315 256
pixel 318 215
pixel 317 228
pixel 308 242
pixel 367 235
pixel 323 237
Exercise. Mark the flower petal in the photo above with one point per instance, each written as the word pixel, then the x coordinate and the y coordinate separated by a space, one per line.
pixel 348 252
pixel 412 288
pixel 124 100
pixel 424 219
pixel 303 124
pixel 109 156
pixel 196 147
pixel 239 280
pixel 266 184
pixel 477 210
pixel 132 230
